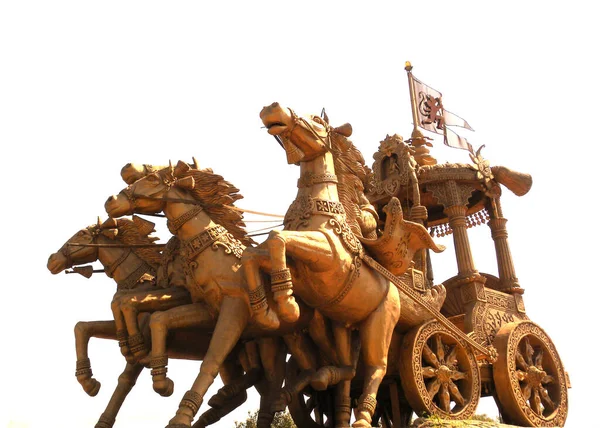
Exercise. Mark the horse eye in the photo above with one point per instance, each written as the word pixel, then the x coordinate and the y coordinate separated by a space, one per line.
pixel 80 233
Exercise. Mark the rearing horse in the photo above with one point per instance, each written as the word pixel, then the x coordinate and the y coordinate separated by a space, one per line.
pixel 320 237
pixel 199 208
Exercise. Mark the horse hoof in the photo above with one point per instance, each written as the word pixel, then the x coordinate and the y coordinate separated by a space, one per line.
pixel 267 320
pixel 289 311
pixel 91 387
pixel 361 423
pixel 164 387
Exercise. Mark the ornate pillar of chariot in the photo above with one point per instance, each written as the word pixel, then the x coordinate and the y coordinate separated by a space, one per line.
pixel 455 197
pixel 509 282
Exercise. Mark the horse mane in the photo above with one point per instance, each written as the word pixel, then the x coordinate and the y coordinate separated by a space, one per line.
pixel 130 234
pixel 354 177
pixel 217 197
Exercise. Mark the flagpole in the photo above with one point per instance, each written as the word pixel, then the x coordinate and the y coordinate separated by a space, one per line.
pixel 417 139
pixel 413 103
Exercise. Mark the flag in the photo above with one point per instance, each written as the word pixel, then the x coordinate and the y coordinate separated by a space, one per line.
pixel 433 117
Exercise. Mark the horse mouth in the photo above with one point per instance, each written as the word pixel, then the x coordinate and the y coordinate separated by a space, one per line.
pixel 275 128
pixel 54 265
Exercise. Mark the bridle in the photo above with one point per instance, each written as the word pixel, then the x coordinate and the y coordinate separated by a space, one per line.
pixel 297 120
pixel 69 254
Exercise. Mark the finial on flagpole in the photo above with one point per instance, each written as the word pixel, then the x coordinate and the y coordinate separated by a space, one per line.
pixel 408 66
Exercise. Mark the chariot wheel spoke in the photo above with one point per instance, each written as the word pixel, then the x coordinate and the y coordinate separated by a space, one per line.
pixel 546 400
pixel 526 391
pixel 430 356
pixel 538 357
pixel 433 387
pixel 547 379
pixel 521 363
pixel 451 357
pixel 428 372
pixel 521 375
pixel 529 351
pixel 444 398
pixel 457 375
pixel 439 345
pixel 535 402
pixel 455 393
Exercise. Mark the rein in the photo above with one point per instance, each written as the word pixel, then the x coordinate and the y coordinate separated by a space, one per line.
pixel 194 202
pixel 116 245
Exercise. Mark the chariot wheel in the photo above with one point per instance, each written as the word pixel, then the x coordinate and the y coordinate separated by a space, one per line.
pixel 309 408
pixel 530 381
pixel 439 372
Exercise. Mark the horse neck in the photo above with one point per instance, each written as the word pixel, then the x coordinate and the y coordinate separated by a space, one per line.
pixel 321 166
pixel 119 263
pixel 177 213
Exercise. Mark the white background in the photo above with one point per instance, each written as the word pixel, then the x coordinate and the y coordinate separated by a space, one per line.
pixel 86 87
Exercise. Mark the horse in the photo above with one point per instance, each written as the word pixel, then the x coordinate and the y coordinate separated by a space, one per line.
pixel 133 270
pixel 199 208
pixel 107 242
pixel 322 235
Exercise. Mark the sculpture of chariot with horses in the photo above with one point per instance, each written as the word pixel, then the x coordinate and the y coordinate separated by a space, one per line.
pixel 336 316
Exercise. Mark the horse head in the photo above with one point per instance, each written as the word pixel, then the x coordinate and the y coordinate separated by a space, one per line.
pixel 76 250
pixel 303 138
pixel 149 193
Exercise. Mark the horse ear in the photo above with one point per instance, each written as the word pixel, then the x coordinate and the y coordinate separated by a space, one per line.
pixel 144 226
pixel 110 223
pixel 99 222
pixel 187 183
pixel 345 130
pixel 195 163
pixel 110 233
pixel 181 168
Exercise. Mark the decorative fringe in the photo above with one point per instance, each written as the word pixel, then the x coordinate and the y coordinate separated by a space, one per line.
pixel 472 220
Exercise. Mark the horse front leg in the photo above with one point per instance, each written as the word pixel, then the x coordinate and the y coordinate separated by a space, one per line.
pixel 120 324
pixel 193 315
pixel 233 318
pixel 125 383
pixel 85 330
pixel 254 260
pixel 375 337
pixel 131 305
pixel 230 396
pixel 311 248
